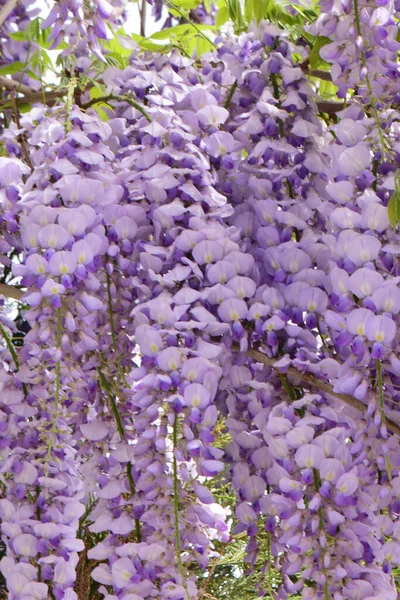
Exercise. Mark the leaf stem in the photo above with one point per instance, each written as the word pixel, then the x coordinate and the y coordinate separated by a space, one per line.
pixel 113 336
pixel 230 95
pixel 368 82
pixel 126 99
pixel 183 16
pixel 176 505
pixel 382 409
pixel 10 346
pixel 56 396
pixel 106 387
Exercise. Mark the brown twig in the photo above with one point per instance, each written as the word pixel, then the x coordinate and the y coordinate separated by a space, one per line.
pixel 126 99
pixel 330 108
pixel 143 18
pixel 320 74
pixel 10 84
pixel 9 291
pixel 203 589
pixel 311 381
pixel 37 97
pixel 21 138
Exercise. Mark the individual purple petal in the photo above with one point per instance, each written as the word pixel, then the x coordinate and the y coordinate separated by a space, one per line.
pixel 30 235
pixel 52 288
pixel 391 551
pixel 364 281
pixel 37 264
pixel 347 484
pixel 375 216
pixel 43 215
pixel 62 263
pixel 64 573
pixel 243 287
pixel 196 395
pixel 53 236
pixel 245 513
pixel 125 228
pixel 202 493
pixel 354 160
pixel 91 303
pixel 122 571
pixel 207 251
pixel 380 329
pixel 232 309
pixel 148 339
pixel 387 298
pixel 210 468
pixel 102 574
pixel 362 249
pixel 212 114
pixel 309 456
pixel 344 218
pixel 221 272
pixel 339 280
pixel 25 544
pixel 331 469
pixel 299 436
pixel 83 251
pixel 313 300
pixel 341 191
pixel 253 488
pixel 95 430
pixel 73 221
pixel 170 359
pixel 294 260
pixel 358 320
pixel 27 474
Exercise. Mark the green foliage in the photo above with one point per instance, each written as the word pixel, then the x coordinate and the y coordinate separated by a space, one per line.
pixel 33 33
pixel 314 58
pixel 394 202
pixel 12 68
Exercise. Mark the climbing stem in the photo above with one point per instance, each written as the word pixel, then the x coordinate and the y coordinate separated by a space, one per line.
pixel 56 394
pixel 382 409
pixel 230 94
pixel 176 505
pixel 107 388
pixel 113 336
pixel 368 82
pixel 269 571
pixel 13 353
pixel 317 483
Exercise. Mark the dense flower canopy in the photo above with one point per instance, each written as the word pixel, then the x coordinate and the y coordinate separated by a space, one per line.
pixel 212 253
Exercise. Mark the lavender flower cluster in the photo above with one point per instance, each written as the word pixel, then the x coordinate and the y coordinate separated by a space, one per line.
pixel 183 261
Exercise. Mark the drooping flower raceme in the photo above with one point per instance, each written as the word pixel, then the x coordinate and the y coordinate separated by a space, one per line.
pixel 182 260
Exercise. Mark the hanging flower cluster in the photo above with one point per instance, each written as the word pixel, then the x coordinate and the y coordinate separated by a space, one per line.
pixel 213 252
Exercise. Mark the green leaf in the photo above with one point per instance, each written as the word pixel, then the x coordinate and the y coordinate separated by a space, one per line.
pixel 115 47
pixel 98 92
pixel 30 33
pixel 202 46
pixel 260 9
pixel 11 68
pixel 394 210
pixel 180 30
pixel 394 202
pixel 314 57
pixel 147 44
pixel 235 11
pixel 188 4
pixel 222 16
pixel 249 10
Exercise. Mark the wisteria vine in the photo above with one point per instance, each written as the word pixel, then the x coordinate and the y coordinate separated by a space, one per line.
pixel 205 268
